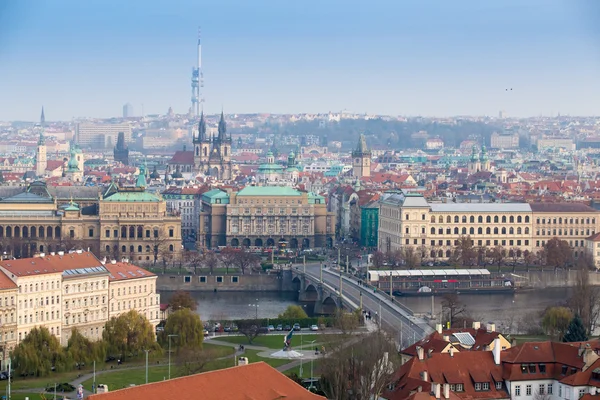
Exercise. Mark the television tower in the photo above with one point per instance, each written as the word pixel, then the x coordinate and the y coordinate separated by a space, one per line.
pixel 197 81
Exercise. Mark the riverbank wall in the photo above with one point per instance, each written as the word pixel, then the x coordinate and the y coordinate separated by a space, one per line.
pixel 551 278
pixel 227 283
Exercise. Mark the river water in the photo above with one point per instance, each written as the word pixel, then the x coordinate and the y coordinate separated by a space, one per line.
pixel 510 312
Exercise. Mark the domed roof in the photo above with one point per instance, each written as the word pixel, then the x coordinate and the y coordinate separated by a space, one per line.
pixel 73 164
pixel 269 154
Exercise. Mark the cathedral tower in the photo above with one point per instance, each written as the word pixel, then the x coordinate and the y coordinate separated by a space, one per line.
pixel 41 161
pixel 361 159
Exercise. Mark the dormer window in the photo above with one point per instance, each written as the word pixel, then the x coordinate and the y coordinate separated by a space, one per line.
pixel 532 369
pixel 477 386
pixel 523 368
pixel 542 368
pixel 498 385
pixel 564 370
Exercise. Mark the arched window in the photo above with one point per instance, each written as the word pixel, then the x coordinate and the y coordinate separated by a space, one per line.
pixel 139 248
pixel 527 219
pixel 456 231
pixel 526 231
pixel 519 230
pixel 503 230
pixel 140 232
pixel 504 219
pixel 197 151
pixel 488 219
pixel 472 219
pixel 441 219
pixel 480 219
pixel 107 249
pixel 25 231
pixel 433 231
pixel 480 230
pixel 464 231
pixel 456 219
pixel 171 247
pixel 433 219
pixel 448 219
pixel 519 219
pixel 448 253
pixel 496 219
pixel 471 231
pixel 57 232
pixel 123 249
pixel 49 231
pixel 511 219
pixel 495 231
pixel 448 231
pixel 464 219
pixel 131 249
pixel 17 231
pixel 8 231
pixel 488 231
pixel 1 231
pixel 147 249
pixel 511 230
pixel 123 232
pixel 131 232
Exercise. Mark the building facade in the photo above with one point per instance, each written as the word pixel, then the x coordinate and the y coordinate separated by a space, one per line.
pixel 8 318
pixel 101 136
pixel 407 219
pixel 361 159
pixel 266 216
pixel 186 202
pixel 212 156
pixel 504 141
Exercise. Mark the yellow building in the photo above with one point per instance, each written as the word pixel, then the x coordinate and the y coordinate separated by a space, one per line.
pixel 407 219
pixel 133 288
pixel 265 216
pixel 123 222
pixel 39 294
pixel 8 318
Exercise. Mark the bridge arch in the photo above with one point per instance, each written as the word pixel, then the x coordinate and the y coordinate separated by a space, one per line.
pixel 311 293
pixel 329 305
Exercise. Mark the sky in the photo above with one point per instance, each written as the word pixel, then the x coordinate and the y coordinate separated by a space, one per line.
pixel 388 57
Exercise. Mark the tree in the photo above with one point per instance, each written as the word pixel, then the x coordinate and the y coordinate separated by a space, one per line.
pixel 378 259
pixel 498 254
pixel 240 258
pixel 193 361
pixel 181 300
pixel 187 326
pixel 528 258
pixel 210 260
pixel 359 368
pixel 556 321
pixel 347 322
pixel 453 308
pixel 585 300
pixel 250 329
pixel 129 333
pixel 81 351
pixel 293 313
pixel 411 257
pixel 558 253
pixel 38 353
pixel 515 254
pixel 464 253
pixel 576 332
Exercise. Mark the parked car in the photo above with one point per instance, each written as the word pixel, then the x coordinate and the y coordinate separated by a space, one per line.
pixel 297 327
pixel 279 327
pixel 271 328
pixel 227 329
pixel 206 332
pixel 287 327
pixel 314 328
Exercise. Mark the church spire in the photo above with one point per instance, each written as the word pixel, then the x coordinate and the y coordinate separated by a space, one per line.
pixel 222 128
pixel 42 117
pixel 202 128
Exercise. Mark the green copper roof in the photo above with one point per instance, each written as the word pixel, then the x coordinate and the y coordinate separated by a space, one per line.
pixel 270 167
pixel 314 198
pixel 216 196
pixel 71 207
pixel 268 191
pixel 131 197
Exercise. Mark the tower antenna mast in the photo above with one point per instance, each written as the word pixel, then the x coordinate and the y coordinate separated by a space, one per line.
pixel 197 81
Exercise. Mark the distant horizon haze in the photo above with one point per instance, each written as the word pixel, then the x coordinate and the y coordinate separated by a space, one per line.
pixel 429 58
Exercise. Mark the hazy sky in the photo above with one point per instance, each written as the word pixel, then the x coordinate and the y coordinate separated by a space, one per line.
pixel 421 57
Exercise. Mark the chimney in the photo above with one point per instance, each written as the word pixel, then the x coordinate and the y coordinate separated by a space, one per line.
pixel 429 353
pixel 425 376
pixel 61 253
pixel 42 255
pixel 435 388
pixel 103 261
pixel 491 327
pixel 51 253
pixel 438 328
pixel 446 390
pixel 476 325
pixel 420 389
pixel 446 338
pixel 113 261
pixel 420 353
pixel 496 351
pixel 79 251
pixel 451 351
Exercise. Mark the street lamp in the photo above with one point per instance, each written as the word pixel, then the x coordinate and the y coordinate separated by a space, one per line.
pixel 170 336
pixel 147 365
pixel 311 367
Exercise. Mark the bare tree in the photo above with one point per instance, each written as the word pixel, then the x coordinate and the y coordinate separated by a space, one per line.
pixel 515 254
pixel 453 308
pixel 359 368
pixel 585 300
pixel 193 360
pixel 241 258
pixel 210 260
pixel 464 253
pixel 250 329
pixel 528 258
pixel 558 253
pixel 378 258
pixel 498 255
pixel 411 258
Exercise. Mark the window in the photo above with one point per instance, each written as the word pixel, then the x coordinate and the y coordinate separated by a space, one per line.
pixel 550 386
pixel 459 387
pixel 542 368
pixel 171 232
pixel 523 368
pixel 581 392
pixel 219 279
pixel 559 390
pixel 235 279
pixel 532 369
pixel 498 385
pixel 485 386
pixel 477 386
pixel 542 389
pixel 517 390
pixel 91 232
pixel 528 390
pixel 107 233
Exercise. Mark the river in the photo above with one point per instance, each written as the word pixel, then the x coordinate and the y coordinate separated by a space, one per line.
pixel 508 311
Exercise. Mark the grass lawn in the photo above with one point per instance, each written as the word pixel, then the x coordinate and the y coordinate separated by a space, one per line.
pixel 273 362
pixel 272 341
pixel 305 370
pixel 33 396
pixel 219 351
pixel 35 383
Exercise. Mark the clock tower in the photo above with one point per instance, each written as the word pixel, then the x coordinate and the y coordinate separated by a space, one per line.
pixel 361 159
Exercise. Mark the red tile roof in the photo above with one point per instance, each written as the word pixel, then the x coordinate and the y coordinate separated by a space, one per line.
pixel 562 207
pixel 183 157
pixel 256 381
pixel 6 282
pixel 121 270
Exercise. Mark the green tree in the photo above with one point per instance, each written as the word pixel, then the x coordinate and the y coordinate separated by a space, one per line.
pixel 576 331
pixel 38 353
pixel 181 300
pixel 129 333
pixel 81 351
pixel 556 321
pixel 187 326
pixel 293 313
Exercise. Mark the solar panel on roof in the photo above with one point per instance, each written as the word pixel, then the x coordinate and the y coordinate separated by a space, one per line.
pixel 141 272
pixel 465 338
pixel 131 273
